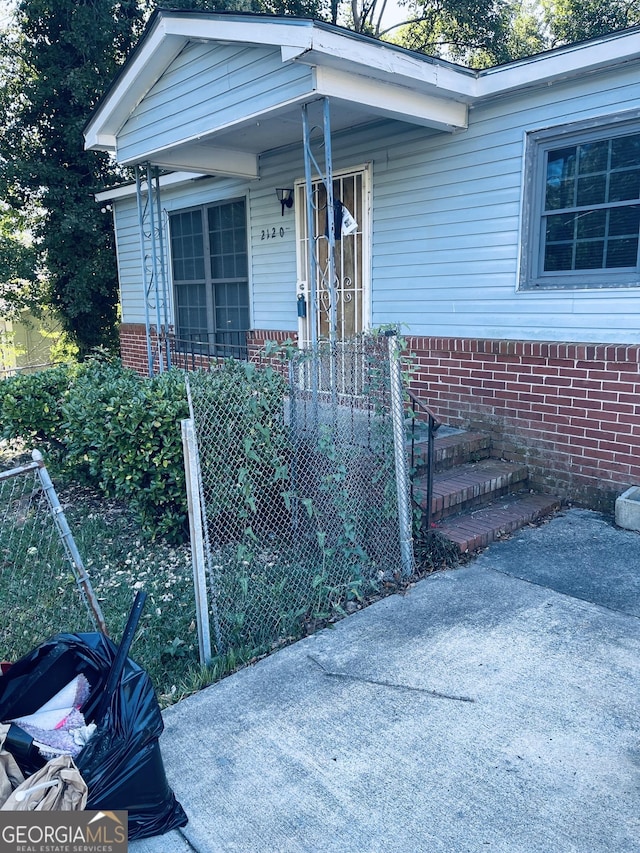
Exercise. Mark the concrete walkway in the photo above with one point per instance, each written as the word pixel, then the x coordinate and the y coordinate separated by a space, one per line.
pixel 492 708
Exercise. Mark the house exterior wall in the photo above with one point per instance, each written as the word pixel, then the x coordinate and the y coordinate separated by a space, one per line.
pixel 447 218
pixel 446 214
pixel 554 375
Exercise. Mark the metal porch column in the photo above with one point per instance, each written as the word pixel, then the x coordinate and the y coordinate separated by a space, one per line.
pixel 154 278
pixel 328 275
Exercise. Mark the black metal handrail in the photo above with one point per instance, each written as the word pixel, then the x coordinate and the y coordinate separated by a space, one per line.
pixel 418 408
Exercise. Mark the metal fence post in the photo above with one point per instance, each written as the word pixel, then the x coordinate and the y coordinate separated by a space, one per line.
pixel 197 539
pixel 69 545
pixel 402 473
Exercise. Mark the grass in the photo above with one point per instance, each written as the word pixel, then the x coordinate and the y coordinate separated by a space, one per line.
pixel 120 562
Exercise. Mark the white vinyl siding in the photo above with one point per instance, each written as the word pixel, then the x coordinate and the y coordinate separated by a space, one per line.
pixel 447 216
pixel 447 212
pixel 206 87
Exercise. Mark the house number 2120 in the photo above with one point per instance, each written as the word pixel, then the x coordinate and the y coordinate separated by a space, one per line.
pixel 272 233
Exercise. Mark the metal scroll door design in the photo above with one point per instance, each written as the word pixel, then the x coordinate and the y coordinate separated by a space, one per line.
pixel 349 261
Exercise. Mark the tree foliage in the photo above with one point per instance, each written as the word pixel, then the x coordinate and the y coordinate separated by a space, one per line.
pixel 570 21
pixel 56 64
pixel 18 266
pixel 482 33
pixel 478 33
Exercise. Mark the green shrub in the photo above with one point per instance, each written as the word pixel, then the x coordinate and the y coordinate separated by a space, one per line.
pixel 30 406
pixel 108 427
pixel 122 433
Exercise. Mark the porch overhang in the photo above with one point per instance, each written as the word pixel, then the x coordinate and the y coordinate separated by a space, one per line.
pixel 233 149
pixel 365 81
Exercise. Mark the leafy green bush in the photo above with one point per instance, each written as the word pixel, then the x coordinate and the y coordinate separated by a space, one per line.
pixel 30 406
pixel 122 433
pixel 111 428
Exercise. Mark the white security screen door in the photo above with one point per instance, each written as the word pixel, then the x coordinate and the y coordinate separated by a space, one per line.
pixel 351 259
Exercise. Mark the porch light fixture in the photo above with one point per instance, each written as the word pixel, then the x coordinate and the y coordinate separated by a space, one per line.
pixel 285 197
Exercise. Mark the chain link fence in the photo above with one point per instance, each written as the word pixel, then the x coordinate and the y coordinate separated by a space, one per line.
pixel 44 588
pixel 298 489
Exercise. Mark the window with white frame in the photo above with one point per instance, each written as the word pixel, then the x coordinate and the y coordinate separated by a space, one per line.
pixel 210 277
pixel 582 208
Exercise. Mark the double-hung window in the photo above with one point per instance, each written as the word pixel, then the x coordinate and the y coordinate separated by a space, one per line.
pixel 210 277
pixel 582 208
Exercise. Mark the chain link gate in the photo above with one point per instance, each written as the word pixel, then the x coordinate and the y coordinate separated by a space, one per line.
pixel 43 581
pixel 298 494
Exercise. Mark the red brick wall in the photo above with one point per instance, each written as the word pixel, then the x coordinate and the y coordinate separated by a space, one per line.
pixel 570 411
pixel 133 347
pixel 256 339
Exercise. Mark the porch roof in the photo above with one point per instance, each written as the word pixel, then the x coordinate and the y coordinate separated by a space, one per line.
pixel 365 80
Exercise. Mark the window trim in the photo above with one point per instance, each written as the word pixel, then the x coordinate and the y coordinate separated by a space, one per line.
pixel 537 143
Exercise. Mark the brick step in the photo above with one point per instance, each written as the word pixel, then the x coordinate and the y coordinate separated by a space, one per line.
pixel 476 529
pixel 452 447
pixel 470 485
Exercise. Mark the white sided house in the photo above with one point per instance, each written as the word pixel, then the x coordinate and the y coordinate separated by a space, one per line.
pixel 493 215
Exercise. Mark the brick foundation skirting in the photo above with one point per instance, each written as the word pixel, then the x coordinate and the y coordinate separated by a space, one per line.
pixel 133 347
pixel 571 412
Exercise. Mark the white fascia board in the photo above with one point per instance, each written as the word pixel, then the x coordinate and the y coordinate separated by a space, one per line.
pixel 572 61
pixel 289 52
pixel 392 101
pixel 129 190
pixel 383 61
pixel 212 160
pixel 279 32
pixel 298 39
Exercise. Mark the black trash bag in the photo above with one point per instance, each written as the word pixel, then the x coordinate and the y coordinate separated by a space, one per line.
pixel 121 763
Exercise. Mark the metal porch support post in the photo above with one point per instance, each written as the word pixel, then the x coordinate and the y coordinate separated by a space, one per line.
pixel 402 472
pixel 325 174
pixel 145 283
pixel 154 265
pixel 331 260
pixel 163 271
pixel 312 260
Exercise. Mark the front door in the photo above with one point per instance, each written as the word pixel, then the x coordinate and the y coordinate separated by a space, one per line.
pixel 351 259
